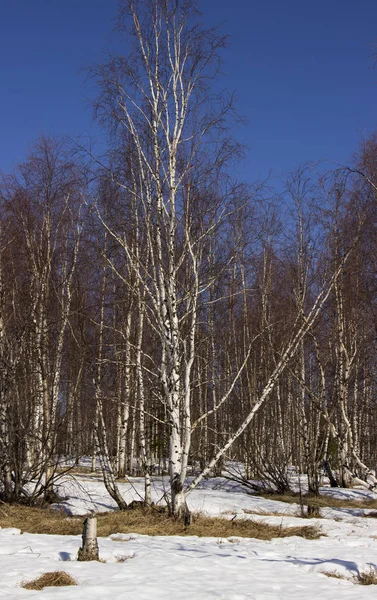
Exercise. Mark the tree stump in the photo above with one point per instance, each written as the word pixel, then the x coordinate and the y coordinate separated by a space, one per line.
pixel 89 549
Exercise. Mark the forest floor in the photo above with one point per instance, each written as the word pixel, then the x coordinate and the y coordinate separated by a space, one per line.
pixel 192 564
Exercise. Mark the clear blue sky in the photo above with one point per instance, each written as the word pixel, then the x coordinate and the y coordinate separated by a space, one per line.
pixel 302 72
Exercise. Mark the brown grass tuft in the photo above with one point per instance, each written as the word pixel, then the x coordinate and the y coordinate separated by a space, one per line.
pixel 51 579
pixel 335 574
pixel 145 521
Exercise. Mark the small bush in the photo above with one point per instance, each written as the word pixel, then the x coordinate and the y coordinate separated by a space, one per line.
pixel 366 577
pixel 51 579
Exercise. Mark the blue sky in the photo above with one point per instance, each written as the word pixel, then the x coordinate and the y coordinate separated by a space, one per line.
pixel 302 73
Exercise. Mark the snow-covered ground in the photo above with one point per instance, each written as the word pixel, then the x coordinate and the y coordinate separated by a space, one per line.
pixel 138 567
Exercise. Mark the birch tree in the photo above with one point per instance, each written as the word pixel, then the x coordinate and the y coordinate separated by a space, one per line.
pixel 160 101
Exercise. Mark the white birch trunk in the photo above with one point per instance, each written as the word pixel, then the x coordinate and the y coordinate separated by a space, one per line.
pixel 89 548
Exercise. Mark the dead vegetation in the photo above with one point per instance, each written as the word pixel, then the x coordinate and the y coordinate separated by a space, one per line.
pixel 144 521
pixel 322 501
pixel 333 573
pixel 51 579
pixel 366 577
pixel 34 519
pixel 362 578
pixel 79 471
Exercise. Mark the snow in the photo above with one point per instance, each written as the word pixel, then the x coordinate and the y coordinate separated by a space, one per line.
pixel 140 567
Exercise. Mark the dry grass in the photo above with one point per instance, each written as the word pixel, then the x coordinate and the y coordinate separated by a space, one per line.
pixel 86 472
pixel 142 521
pixel 322 501
pixel 122 558
pixel 39 520
pixel 335 574
pixel 52 579
pixel 76 470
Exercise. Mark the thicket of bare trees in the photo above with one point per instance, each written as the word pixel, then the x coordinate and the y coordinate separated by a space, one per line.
pixel 162 318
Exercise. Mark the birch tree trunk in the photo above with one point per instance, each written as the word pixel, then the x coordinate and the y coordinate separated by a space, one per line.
pixel 99 425
pixel 89 548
